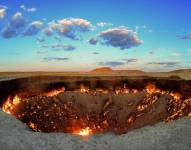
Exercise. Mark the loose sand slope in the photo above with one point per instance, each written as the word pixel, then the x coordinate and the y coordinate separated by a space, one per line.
pixel 175 135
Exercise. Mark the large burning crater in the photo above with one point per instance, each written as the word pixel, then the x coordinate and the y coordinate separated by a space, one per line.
pixel 86 106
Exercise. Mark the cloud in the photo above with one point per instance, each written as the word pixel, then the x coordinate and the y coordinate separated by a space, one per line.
pixel 165 64
pixel 143 28
pixel 70 27
pixel 28 9
pixel 40 39
pixel 184 37
pixel 41 52
pixel 48 31
pixel 68 47
pixel 18 20
pixel 55 58
pixel 118 63
pixel 14 26
pixel 45 46
pixel 120 37
pixel 33 28
pixel 2 11
pixel 61 47
pixel 175 54
pixel 95 53
pixel 151 52
pixel 103 24
pixel 93 41
pixel 57 38
pixel 130 60
pixel 111 63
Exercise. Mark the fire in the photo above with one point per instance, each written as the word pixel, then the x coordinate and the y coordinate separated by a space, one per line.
pixel 83 89
pixel 84 132
pixel 55 92
pixel 10 105
pixel 7 106
pixel 176 96
pixel 151 88
pixel 39 108
pixel 16 100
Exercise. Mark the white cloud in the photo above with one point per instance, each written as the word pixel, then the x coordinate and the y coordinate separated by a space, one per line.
pixel 70 26
pixel 33 28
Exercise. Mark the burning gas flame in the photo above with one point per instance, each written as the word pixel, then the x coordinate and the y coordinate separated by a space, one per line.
pixel 10 105
pixel 84 132
pixel 55 92
pixel 83 89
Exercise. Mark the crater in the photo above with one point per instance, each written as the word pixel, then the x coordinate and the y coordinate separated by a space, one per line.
pixel 89 105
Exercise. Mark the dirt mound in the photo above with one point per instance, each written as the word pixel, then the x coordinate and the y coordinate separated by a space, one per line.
pixel 102 70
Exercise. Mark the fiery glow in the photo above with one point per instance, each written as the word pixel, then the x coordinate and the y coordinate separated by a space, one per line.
pixel 151 88
pixel 84 132
pixel 10 104
pixel 55 92
pixel 150 98
pixel 7 106
pixel 83 89
pixel 176 96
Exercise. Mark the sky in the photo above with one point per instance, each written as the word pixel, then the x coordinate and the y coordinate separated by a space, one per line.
pixel 81 35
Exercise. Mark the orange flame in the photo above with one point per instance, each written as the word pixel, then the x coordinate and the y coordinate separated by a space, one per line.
pixel 83 89
pixel 9 105
pixel 84 132
pixel 55 92
pixel 151 88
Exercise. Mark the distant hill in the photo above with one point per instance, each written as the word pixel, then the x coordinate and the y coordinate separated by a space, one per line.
pixel 130 71
pixel 181 71
pixel 109 70
pixel 102 70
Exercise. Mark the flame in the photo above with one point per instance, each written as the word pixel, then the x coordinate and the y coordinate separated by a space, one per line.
pixel 55 92
pixel 151 88
pixel 9 105
pixel 84 132
pixel 176 96
pixel 83 89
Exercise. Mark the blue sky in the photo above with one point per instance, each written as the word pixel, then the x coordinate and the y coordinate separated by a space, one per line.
pixel 70 35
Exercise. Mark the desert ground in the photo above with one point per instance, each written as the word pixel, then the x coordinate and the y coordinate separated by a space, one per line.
pixel 104 71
